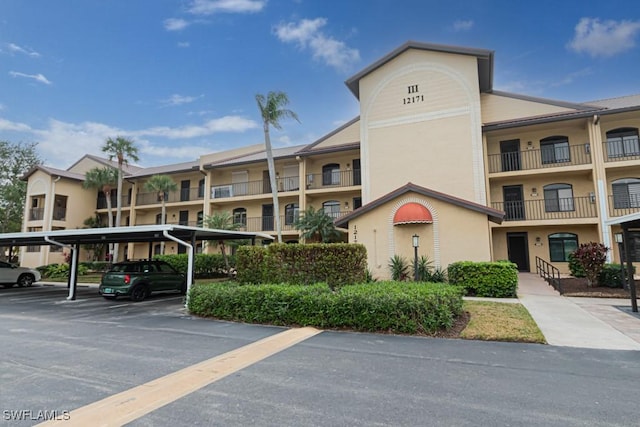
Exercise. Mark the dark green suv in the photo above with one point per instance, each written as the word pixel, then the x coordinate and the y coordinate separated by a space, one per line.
pixel 139 279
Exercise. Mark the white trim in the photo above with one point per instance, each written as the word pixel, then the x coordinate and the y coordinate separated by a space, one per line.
pixel 417 118
pixel 436 226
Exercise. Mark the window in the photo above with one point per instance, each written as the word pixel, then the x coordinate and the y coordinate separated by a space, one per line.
pixel 623 142
pixel 221 191
pixel 332 208
pixel 157 249
pixel 159 219
pixel 331 174
pixel 240 181
pixel 558 198
pixel 201 188
pixel 240 216
pixel 561 245
pixel 185 187
pixel 183 218
pixel 357 202
pixel 199 218
pixel 555 149
pixel 626 193
pixel 291 212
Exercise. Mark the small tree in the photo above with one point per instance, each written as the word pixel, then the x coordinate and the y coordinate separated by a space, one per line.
pixel 317 226
pixel 591 256
pixel 399 267
pixel 222 221
pixel 161 184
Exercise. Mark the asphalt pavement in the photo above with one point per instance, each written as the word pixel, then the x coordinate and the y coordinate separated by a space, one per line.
pixel 59 355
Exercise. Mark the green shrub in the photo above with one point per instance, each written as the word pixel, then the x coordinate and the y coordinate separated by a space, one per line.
pixel 399 267
pixel 591 256
pixel 381 306
pixel 97 266
pixel 485 279
pixel 612 276
pixel 60 271
pixel 336 264
pixel 575 268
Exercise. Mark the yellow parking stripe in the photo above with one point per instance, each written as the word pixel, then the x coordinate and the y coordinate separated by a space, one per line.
pixel 132 404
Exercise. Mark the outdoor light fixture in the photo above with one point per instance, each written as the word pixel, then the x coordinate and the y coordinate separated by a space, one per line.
pixel 592 197
pixel 416 243
pixel 618 237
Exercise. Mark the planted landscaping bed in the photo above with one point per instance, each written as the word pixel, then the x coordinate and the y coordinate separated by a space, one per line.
pixel 411 308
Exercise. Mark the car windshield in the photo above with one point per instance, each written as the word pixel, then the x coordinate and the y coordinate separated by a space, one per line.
pixel 125 268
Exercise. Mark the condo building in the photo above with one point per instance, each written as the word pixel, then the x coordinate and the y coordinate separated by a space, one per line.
pixel 436 152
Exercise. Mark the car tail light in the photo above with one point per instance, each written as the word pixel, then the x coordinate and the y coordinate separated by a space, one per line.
pixel 127 279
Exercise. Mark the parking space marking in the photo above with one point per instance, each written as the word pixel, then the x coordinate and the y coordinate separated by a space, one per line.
pixel 136 402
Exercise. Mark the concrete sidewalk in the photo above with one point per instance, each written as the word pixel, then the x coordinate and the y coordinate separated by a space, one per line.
pixel 579 322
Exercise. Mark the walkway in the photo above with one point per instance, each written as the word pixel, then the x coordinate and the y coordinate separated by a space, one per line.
pixel 579 322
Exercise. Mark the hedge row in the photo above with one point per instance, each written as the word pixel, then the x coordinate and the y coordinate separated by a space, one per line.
pixel 382 306
pixel 336 264
pixel 205 265
pixel 612 276
pixel 485 279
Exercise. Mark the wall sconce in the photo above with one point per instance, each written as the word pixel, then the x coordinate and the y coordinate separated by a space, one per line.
pixel 592 197
pixel 618 237
pixel 346 205
pixel 534 192
pixel 538 241
pixel 529 145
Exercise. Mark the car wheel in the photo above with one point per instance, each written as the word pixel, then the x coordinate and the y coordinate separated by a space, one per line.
pixel 25 280
pixel 138 293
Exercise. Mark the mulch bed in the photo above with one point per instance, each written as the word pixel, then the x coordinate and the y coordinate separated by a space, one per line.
pixel 577 287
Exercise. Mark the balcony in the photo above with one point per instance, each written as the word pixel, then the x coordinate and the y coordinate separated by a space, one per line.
pixel 59 214
pixel 619 206
pixel 267 223
pixel 182 195
pixel 552 157
pixel 36 214
pixel 621 150
pixel 102 202
pixel 253 188
pixel 333 179
pixel 551 209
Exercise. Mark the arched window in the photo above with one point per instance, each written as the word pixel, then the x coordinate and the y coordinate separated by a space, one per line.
pixel 558 198
pixel 626 193
pixel 291 212
pixel 331 174
pixel 240 216
pixel 561 245
pixel 332 208
pixel 555 149
pixel 623 142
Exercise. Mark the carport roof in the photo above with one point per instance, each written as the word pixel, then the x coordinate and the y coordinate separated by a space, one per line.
pixel 139 233
pixel 628 221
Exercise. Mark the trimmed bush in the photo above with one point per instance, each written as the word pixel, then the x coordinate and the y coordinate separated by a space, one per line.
pixel 575 268
pixel 98 266
pixel 381 306
pixel 612 276
pixel 485 279
pixel 204 265
pixel 336 264
pixel 59 271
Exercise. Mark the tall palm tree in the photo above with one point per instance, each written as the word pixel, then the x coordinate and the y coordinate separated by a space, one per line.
pixel 272 111
pixel 161 184
pixel 222 221
pixel 103 179
pixel 123 150
pixel 317 226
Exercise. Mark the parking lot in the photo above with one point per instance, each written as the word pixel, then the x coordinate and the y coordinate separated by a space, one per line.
pixel 58 355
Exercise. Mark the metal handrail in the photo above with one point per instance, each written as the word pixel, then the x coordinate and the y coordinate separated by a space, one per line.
pixel 549 273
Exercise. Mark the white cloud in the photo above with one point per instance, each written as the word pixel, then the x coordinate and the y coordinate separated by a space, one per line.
pixel 604 38
pixel 9 126
pixel 463 25
pixel 209 7
pixel 223 124
pixel 175 24
pixel 184 44
pixel 37 77
pixel 175 100
pixel 14 48
pixel 307 34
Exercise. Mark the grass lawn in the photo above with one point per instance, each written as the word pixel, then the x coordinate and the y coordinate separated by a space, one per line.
pixel 496 321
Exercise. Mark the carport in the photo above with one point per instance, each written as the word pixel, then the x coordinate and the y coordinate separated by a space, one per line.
pixel 628 223
pixel 73 238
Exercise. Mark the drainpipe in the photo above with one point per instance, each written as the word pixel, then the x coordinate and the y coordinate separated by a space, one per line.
pixel 73 268
pixel 189 246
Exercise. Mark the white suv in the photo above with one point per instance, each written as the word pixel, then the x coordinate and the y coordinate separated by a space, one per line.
pixel 11 274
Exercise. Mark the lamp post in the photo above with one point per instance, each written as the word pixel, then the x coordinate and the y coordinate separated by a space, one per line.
pixel 618 238
pixel 416 244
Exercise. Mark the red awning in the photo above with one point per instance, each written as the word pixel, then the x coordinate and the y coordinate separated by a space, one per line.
pixel 412 213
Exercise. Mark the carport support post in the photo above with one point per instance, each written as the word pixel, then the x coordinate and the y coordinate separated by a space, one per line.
pixel 631 282
pixel 190 252
pixel 73 270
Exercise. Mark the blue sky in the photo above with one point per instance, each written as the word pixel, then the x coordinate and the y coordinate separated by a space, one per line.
pixel 180 77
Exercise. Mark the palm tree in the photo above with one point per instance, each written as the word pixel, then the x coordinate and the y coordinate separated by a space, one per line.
pixel 272 110
pixel 317 226
pixel 222 221
pixel 103 179
pixel 161 184
pixel 123 150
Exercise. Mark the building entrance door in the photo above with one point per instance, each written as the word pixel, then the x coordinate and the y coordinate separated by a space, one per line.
pixel 518 250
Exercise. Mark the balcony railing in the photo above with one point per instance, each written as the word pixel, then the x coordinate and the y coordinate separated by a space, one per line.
pixel 102 202
pixel 335 178
pixel 59 214
pixel 36 214
pixel 550 209
pixel 267 223
pixel 253 188
pixel 182 195
pixel 619 150
pixel 551 157
pixel 619 206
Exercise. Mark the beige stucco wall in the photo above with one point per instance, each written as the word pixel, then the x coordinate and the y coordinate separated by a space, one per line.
pixel 84 165
pixel 348 135
pixel 586 233
pixel 456 234
pixel 496 108
pixel 418 136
